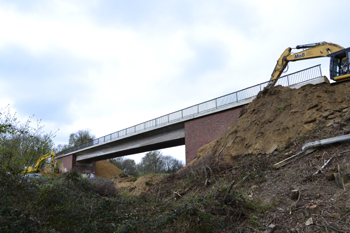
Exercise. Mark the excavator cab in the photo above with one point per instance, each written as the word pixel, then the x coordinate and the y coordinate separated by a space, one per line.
pixel 339 67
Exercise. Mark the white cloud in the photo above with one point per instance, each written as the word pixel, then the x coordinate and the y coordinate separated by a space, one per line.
pixel 109 65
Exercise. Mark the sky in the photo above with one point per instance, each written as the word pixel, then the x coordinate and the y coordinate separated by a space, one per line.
pixel 107 65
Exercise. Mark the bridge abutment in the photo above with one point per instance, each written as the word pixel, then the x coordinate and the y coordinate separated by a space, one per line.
pixel 68 163
pixel 201 131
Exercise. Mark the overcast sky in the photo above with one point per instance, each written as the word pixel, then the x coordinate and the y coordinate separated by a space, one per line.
pixel 107 65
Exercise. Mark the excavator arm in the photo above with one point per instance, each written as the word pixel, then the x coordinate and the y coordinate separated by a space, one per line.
pixel 314 50
pixel 37 166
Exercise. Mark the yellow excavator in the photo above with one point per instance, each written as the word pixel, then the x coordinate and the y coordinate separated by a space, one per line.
pixel 339 64
pixel 39 162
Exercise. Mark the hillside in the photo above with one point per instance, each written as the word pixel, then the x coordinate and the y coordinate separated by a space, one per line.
pixel 240 164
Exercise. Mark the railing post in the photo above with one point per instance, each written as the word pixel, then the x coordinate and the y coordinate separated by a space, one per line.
pixel 236 97
pixel 216 103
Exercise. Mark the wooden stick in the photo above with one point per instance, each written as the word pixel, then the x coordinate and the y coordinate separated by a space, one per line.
pixel 324 165
pixel 346 151
pixel 222 149
pixel 292 158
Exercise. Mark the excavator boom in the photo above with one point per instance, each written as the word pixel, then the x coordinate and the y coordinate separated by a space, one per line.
pixel 37 166
pixel 314 50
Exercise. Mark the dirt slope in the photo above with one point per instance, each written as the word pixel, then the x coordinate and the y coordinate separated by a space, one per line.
pixel 271 128
pixel 106 169
pixel 282 115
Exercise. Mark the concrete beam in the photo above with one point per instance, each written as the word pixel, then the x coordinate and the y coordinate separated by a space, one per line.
pixel 165 137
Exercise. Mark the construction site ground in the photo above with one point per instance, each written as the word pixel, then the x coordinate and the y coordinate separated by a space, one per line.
pixel 272 128
pixel 237 170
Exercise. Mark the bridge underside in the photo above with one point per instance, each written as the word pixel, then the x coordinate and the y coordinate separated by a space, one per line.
pixel 169 136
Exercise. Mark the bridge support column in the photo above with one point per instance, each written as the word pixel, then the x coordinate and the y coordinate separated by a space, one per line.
pixel 201 131
pixel 69 163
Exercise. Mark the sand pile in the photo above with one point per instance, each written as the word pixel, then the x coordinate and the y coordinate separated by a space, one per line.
pixel 280 116
pixel 106 169
pixel 141 185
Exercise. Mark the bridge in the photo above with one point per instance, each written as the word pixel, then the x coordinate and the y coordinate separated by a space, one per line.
pixel 193 127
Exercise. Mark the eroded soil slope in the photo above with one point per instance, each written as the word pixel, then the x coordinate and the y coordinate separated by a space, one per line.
pixel 282 115
pixel 239 164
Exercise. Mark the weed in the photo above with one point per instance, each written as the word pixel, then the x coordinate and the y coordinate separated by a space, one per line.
pixel 281 109
pixel 149 183
pixel 302 138
pixel 123 175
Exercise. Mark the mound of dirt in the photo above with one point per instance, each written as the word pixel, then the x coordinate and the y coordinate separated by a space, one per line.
pixel 271 128
pixel 281 116
pixel 106 169
pixel 141 185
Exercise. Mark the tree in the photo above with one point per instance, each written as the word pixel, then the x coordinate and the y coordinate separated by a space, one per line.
pixel 171 164
pixel 128 166
pixel 152 162
pixel 21 144
pixel 80 137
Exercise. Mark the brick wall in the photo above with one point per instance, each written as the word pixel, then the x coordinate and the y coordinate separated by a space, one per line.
pixel 67 163
pixel 86 168
pixel 201 131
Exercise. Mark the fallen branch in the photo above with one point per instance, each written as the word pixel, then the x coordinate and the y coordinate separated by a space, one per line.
pixel 292 158
pixel 229 190
pixel 343 217
pixel 241 180
pixel 343 152
pixel 325 222
pixel 324 165
pixel 331 227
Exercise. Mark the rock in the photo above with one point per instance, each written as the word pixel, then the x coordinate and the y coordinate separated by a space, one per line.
pixel 337 120
pixel 312 106
pixel 271 228
pixel 309 222
pixel 331 117
pixel 335 215
pixel 309 125
pixel 330 175
pixel 326 114
pixel 329 123
pixel 313 119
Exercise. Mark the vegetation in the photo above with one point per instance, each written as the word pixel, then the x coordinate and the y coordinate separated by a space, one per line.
pixel 74 204
pixel 152 162
pixel 77 138
pixel 21 144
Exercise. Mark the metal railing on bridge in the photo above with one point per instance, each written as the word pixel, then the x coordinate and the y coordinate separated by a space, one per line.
pixel 217 103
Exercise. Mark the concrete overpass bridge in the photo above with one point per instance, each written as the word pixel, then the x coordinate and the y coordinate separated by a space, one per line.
pixel 193 127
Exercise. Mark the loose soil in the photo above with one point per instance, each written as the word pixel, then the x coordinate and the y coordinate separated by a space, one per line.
pixel 282 115
pixel 271 128
pixel 140 186
pixel 106 169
